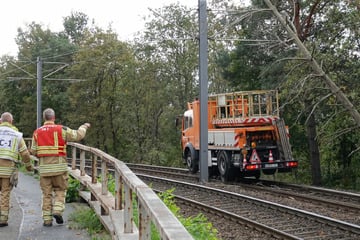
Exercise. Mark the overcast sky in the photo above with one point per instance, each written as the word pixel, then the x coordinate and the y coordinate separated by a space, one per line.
pixel 125 16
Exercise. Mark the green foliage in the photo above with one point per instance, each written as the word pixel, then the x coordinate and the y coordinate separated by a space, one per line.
pixel 86 218
pixel 132 92
pixel 75 26
pixel 168 198
pixel 72 193
pixel 108 66
pixel 198 226
pixel 304 93
pixel 111 184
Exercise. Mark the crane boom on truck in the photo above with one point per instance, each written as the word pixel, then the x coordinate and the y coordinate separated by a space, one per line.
pixel 246 135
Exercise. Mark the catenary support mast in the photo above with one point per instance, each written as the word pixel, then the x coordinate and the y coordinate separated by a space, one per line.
pixel 203 75
pixel 39 78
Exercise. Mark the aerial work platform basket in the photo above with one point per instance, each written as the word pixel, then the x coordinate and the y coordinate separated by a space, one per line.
pixel 243 108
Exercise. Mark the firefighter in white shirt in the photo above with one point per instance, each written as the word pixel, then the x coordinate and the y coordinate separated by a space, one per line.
pixel 12 148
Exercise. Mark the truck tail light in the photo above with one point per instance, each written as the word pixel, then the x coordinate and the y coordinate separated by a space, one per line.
pixel 251 167
pixel 292 164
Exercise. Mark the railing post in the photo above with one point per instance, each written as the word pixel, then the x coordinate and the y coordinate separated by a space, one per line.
pixel 144 223
pixel 104 178
pixel 82 163
pixel 118 191
pixel 94 169
pixel 128 210
pixel 73 160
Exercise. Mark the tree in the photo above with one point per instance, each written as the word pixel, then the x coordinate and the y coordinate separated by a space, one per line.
pixel 316 67
pixel 75 26
pixel 34 41
pixel 105 66
pixel 282 66
pixel 56 50
pixel 300 31
pixel 168 50
pixel 170 41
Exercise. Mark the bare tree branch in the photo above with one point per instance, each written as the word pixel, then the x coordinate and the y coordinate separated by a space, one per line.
pixel 317 68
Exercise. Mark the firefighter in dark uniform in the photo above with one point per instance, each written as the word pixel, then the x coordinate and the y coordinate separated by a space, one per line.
pixel 12 148
pixel 49 145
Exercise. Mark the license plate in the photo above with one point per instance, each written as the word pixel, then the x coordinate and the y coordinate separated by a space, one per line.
pixel 271 165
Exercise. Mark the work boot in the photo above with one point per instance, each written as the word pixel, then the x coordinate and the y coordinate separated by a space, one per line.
pixel 59 219
pixel 3 224
pixel 47 223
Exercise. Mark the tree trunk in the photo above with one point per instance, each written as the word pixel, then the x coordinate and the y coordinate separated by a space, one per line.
pixel 313 146
pixel 341 97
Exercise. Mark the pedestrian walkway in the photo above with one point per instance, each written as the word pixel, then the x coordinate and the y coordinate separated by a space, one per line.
pixel 25 220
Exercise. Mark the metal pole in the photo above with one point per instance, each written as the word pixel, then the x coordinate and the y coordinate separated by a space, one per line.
pixel 38 91
pixel 203 75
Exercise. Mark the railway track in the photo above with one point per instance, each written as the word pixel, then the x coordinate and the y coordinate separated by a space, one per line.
pixel 344 206
pixel 276 220
pixel 340 205
pixel 315 213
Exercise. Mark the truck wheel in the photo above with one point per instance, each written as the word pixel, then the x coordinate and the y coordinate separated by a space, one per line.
pixel 226 170
pixel 192 164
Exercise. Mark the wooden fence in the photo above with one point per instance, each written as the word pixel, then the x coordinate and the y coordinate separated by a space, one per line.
pixel 116 212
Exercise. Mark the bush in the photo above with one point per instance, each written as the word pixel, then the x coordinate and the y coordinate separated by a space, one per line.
pixel 86 218
pixel 197 226
pixel 72 193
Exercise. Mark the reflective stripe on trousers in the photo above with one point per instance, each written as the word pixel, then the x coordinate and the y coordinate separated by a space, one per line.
pixel 57 185
pixel 5 189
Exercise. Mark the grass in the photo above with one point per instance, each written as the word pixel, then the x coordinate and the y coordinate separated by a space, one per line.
pixel 198 226
pixel 86 218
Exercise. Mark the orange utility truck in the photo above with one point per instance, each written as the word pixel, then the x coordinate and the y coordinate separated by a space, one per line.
pixel 246 135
